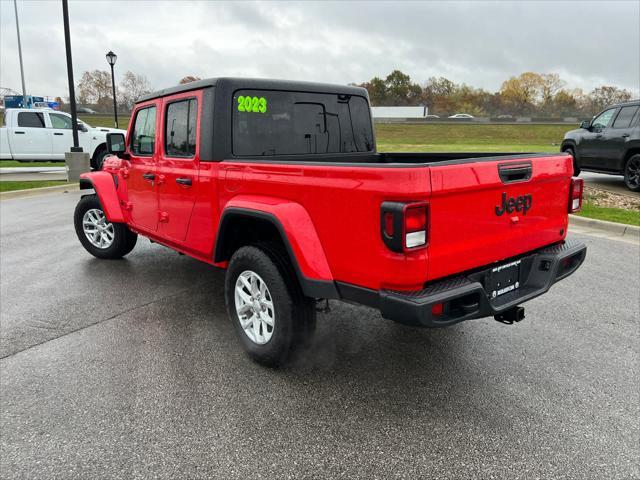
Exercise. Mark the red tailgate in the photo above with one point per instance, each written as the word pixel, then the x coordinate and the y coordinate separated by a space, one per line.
pixel 470 226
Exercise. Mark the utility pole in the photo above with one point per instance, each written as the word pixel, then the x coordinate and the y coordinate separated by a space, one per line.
pixel 24 90
pixel 72 92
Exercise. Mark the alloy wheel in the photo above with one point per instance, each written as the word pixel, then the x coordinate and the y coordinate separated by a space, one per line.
pixel 633 172
pixel 97 229
pixel 254 307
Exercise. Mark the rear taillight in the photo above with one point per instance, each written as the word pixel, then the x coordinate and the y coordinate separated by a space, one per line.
pixel 575 195
pixel 404 226
pixel 415 225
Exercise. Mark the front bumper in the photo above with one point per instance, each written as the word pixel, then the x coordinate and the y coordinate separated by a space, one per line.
pixel 464 297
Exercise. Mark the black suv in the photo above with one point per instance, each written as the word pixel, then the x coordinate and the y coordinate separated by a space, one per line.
pixel 610 143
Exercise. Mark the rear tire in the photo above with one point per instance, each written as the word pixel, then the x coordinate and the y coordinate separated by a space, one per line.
pixel 271 316
pixel 98 236
pixel 632 173
pixel 576 166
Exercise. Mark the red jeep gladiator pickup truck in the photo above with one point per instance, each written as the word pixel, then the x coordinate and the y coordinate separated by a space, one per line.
pixel 280 184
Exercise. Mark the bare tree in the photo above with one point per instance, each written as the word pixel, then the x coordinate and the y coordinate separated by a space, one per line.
pixel 94 88
pixel 188 79
pixel 132 87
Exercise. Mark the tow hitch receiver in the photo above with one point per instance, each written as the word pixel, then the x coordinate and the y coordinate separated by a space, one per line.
pixel 514 314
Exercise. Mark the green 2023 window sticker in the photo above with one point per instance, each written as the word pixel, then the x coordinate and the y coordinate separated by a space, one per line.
pixel 252 104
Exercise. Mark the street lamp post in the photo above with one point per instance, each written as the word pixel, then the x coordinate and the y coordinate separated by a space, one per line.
pixel 111 59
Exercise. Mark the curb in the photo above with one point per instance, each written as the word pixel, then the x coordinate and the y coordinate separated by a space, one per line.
pixel 619 229
pixel 34 192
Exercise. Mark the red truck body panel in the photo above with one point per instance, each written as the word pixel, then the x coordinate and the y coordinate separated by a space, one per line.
pixel 330 212
pixel 466 232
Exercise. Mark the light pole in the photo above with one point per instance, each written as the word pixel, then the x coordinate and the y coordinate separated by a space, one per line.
pixel 72 93
pixel 24 90
pixel 111 59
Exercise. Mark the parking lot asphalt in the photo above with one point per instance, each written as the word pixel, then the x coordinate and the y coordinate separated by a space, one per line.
pixel 130 369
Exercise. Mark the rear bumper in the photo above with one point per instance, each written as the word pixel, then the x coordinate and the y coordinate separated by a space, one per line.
pixel 464 297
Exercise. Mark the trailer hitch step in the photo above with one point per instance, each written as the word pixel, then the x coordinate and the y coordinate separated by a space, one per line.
pixel 515 314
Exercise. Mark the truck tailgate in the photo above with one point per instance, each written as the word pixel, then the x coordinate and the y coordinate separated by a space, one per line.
pixel 488 211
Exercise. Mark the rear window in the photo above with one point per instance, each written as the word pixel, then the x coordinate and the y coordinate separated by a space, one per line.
pixel 180 128
pixel 623 120
pixel 267 123
pixel 31 119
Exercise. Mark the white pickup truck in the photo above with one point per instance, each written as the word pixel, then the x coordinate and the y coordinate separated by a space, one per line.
pixel 29 135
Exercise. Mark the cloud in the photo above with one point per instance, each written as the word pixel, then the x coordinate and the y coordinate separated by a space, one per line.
pixel 479 43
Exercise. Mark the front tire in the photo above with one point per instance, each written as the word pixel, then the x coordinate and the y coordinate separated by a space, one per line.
pixel 632 173
pixel 271 316
pixel 98 158
pixel 98 236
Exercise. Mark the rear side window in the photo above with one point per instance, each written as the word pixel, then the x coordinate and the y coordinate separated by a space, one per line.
pixel 143 137
pixel 31 119
pixel 180 128
pixel 60 121
pixel 623 120
pixel 267 123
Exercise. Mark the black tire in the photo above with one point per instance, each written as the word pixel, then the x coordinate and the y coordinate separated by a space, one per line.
pixel 576 165
pixel 98 158
pixel 294 314
pixel 632 173
pixel 123 239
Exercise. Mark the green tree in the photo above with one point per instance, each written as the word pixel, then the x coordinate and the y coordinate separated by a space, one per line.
pixel 400 89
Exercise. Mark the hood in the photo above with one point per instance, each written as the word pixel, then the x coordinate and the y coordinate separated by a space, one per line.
pixel 106 130
pixel 574 133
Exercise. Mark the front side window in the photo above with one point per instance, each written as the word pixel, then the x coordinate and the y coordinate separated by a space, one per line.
pixel 603 120
pixel 60 121
pixel 267 123
pixel 623 120
pixel 31 120
pixel 143 137
pixel 180 128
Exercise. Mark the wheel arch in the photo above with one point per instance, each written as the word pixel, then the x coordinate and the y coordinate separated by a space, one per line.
pixel 243 225
pixel 105 188
pixel 569 143
pixel 94 156
pixel 628 154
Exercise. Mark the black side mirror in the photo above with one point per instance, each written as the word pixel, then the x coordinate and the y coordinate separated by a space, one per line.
pixel 82 127
pixel 116 143
pixel 586 125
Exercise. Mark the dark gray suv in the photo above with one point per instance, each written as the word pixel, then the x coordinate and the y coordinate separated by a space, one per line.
pixel 609 143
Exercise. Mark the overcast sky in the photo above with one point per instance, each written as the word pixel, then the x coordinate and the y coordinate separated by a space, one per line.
pixel 589 43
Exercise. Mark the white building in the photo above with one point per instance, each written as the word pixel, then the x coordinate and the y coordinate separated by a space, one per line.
pixel 400 112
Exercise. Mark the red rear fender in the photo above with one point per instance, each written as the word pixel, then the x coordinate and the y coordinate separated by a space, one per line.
pixel 295 226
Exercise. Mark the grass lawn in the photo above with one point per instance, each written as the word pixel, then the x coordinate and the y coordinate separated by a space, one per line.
pixel 10 186
pixel 618 215
pixel 447 137
pixel 15 163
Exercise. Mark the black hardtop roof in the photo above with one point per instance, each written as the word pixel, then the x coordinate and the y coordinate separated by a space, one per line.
pixel 257 83
pixel 630 103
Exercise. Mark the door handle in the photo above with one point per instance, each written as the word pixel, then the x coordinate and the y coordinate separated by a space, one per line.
pixel 626 135
pixel 19 133
pixel 58 133
pixel 184 181
pixel 149 176
pixel 599 136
